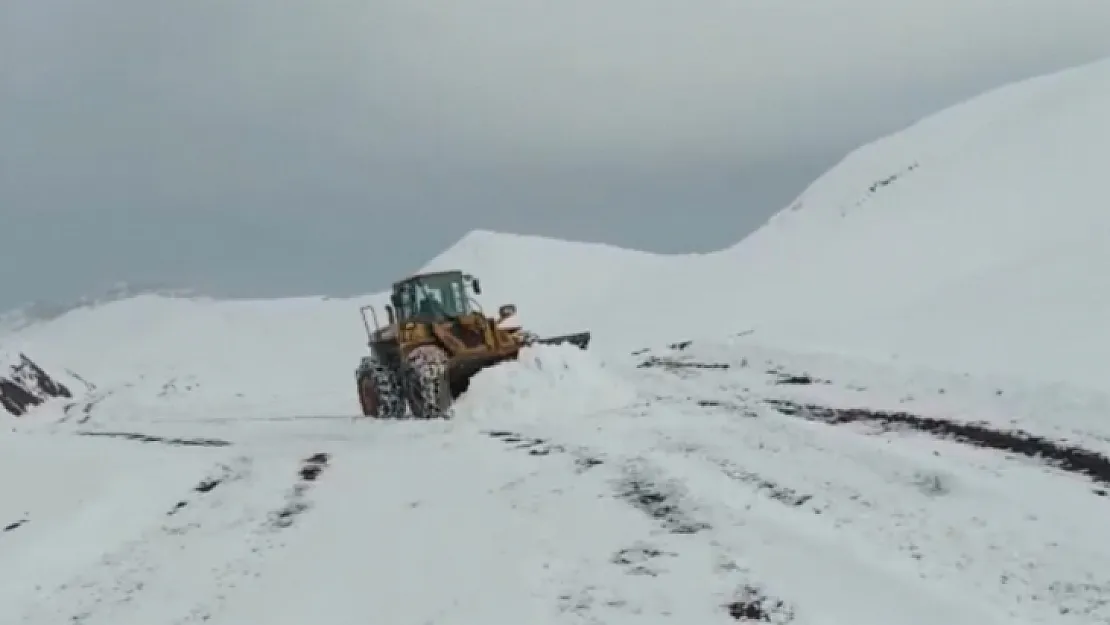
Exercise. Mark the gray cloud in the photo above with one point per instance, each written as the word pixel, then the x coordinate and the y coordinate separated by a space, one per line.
pixel 280 147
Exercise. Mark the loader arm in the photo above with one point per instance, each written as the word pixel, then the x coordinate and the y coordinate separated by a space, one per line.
pixel 456 346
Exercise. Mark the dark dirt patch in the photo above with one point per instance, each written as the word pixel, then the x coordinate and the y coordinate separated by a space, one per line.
pixel 14 526
pixel 313 466
pixel 1066 457
pixel 785 378
pixel 781 494
pixel 87 408
pixel 637 559
pixel 732 407
pixel 205 486
pixel 586 463
pixel 534 446
pixel 672 363
pixel 754 606
pixel 148 438
pixel 653 500
pixel 284 517
pixel 583 461
pixel 296 502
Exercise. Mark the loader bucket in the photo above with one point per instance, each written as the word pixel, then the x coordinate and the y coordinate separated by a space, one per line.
pixel 463 369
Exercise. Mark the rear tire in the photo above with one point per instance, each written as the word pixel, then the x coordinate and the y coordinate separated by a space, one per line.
pixel 379 390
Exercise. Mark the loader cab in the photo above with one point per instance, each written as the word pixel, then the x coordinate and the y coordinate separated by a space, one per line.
pixel 433 297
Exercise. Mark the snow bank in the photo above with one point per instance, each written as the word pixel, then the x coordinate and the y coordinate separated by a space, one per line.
pixel 549 381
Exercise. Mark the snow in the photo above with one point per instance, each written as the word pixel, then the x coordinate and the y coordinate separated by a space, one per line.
pixel 986 237
pixel 758 429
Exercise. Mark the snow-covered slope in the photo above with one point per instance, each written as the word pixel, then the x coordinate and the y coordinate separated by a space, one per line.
pixel 210 470
pixel 973 240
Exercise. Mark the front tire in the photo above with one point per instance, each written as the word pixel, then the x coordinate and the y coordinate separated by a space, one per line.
pixel 428 389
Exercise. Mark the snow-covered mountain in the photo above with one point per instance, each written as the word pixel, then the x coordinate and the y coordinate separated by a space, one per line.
pixel 884 407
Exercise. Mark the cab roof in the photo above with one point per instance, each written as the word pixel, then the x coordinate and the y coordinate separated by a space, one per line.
pixel 429 274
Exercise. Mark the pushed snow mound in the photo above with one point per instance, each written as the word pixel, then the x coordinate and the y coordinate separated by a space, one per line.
pixel 548 381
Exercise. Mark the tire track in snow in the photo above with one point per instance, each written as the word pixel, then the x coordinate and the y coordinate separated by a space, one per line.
pixel 1069 458
pixel 182 569
pixel 1066 457
pixel 644 488
pixel 969 521
pixel 960 518
pixel 931 527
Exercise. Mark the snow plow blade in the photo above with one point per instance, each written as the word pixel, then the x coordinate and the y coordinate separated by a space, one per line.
pixel 580 340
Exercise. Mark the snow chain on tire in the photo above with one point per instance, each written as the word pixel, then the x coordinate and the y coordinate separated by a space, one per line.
pixel 429 393
pixel 391 401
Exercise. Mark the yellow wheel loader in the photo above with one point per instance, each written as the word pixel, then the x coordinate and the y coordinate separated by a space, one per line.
pixel 435 340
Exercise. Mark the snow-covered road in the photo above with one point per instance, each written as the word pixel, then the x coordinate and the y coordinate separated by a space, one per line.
pixel 567 490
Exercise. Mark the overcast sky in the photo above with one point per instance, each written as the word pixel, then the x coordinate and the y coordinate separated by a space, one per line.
pixel 283 147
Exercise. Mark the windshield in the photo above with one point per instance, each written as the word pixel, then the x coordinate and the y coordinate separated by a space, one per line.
pixel 434 297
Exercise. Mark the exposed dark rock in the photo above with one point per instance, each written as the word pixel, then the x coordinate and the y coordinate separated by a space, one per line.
pixel 24 385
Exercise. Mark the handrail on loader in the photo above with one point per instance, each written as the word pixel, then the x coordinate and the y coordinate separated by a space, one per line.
pixel 366 323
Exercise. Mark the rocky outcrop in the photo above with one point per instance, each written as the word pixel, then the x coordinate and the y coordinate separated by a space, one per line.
pixel 24 385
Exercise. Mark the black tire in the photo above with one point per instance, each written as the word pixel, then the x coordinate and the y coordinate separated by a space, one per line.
pixel 427 388
pixel 379 390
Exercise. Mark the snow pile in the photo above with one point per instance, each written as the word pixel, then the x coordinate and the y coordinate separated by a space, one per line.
pixel 25 385
pixel 547 382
